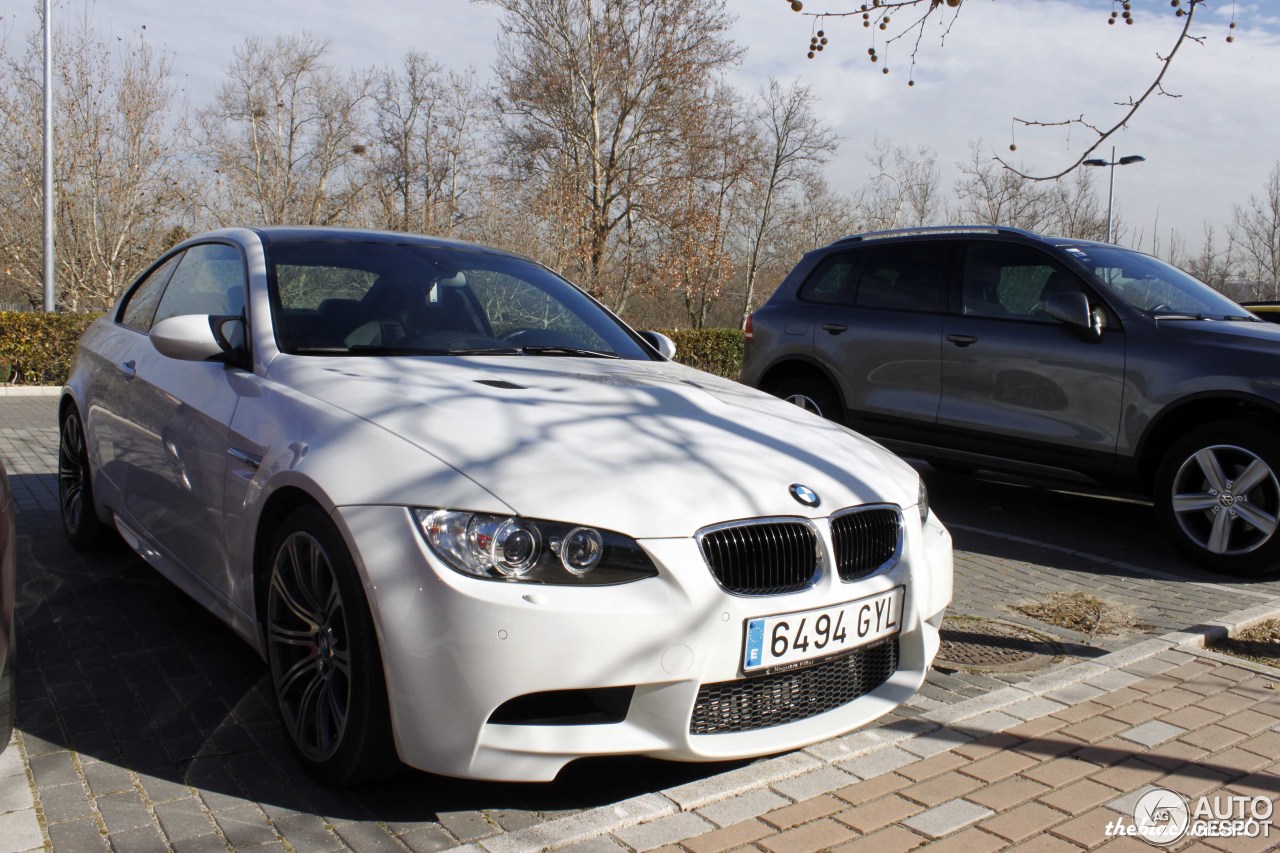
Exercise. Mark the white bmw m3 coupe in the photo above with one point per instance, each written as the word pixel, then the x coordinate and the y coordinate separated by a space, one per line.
pixel 475 523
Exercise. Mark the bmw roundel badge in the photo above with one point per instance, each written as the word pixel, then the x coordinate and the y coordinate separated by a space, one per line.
pixel 805 495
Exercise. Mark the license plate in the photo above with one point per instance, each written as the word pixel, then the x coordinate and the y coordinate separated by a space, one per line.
pixel 791 640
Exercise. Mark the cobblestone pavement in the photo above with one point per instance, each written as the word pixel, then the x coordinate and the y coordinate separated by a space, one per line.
pixel 1048 767
pixel 145 724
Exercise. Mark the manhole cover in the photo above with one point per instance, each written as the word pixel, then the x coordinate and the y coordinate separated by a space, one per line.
pixel 986 645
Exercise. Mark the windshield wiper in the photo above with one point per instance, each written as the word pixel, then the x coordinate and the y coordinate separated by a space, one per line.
pixel 482 351
pixel 586 353
pixel 377 349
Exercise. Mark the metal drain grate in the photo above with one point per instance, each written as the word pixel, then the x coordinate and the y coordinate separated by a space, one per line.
pixel 989 645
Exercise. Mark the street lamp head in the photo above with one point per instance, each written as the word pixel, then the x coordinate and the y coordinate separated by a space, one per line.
pixel 1132 158
pixel 1095 163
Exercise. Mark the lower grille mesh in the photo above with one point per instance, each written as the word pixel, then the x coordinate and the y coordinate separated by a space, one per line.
pixel 772 700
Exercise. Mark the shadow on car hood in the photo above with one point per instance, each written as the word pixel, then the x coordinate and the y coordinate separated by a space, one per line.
pixel 647 449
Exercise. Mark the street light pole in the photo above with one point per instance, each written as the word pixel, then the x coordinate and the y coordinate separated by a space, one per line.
pixel 1111 188
pixel 48 159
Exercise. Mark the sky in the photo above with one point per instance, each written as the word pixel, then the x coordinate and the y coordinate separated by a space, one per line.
pixel 1207 149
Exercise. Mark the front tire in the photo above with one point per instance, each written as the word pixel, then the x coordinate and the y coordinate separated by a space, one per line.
pixel 326 670
pixel 1218 494
pixel 813 395
pixel 84 530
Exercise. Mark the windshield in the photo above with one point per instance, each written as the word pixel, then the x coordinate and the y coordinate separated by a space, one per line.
pixel 367 298
pixel 1151 285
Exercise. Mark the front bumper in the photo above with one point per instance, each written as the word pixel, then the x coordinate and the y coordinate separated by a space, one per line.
pixel 457 648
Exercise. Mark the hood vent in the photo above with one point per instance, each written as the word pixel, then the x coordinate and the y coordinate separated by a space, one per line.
pixel 501 383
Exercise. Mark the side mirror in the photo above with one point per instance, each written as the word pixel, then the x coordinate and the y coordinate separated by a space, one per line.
pixel 199 337
pixel 1073 309
pixel 664 345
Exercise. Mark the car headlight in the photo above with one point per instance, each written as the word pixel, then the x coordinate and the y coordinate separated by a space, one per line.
pixel 924 502
pixel 499 547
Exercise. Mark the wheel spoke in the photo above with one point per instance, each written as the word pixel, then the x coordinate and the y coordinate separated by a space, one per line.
pixel 308 666
pixel 337 706
pixel 1257 472
pixel 341 662
pixel 333 607
pixel 309 711
pixel 1220 535
pixel 1257 519
pixel 287 598
pixel 1194 502
pixel 286 637
pixel 300 578
pixel 1212 469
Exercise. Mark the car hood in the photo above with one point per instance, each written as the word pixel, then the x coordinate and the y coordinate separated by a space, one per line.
pixel 1243 333
pixel 643 448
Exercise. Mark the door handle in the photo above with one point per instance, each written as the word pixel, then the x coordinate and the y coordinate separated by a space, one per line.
pixel 834 328
pixel 129 369
pixel 962 340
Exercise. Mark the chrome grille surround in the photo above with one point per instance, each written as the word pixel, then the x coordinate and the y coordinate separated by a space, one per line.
pixel 750 704
pixel 866 540
pixel 763 556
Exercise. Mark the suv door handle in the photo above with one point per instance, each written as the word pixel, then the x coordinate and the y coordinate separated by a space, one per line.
pixel 129 369
pixel 962 340
pixel 834 328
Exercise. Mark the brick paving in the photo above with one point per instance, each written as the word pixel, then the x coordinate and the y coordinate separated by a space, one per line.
pixel 145 724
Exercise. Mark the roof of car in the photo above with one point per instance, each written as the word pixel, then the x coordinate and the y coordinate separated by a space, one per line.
pixel 966 230
pixel 311 233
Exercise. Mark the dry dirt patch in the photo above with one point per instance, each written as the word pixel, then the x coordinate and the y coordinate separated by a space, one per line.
pixel 1258 643
pixel 1079 611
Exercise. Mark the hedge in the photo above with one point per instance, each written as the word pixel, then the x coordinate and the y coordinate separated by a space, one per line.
pixel 36 349
pixel 717 351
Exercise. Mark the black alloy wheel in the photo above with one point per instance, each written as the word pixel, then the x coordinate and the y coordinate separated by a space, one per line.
pixel 80 521
pixel 326 670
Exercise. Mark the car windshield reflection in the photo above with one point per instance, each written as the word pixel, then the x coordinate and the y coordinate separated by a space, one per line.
pixel 392 299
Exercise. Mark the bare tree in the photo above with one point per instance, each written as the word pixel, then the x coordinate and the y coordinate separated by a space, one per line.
pixel 793 144
pixel 698 201
pixel 423 159
pixel 285 135
pixel 117 167
pixel 1213 266
pixel 990 195
pixel 1254 238
pixel 904 189
pixel 592 94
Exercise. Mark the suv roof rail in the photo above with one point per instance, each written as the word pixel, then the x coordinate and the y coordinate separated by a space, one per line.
pixel 936 230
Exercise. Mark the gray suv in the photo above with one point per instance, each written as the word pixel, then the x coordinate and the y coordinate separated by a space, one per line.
pixel 1065 360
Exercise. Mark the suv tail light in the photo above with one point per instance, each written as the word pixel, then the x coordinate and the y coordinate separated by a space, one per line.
pixel 746 328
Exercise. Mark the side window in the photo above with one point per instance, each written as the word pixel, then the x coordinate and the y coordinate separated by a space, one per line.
pixel 140 306
pixel 1009 281
pixel 209 280
pixel 834 282
pixel 905 276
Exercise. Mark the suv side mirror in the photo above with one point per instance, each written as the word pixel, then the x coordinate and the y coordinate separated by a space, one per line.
pixel 1073 309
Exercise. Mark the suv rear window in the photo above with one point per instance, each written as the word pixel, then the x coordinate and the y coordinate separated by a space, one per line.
pixel 904 276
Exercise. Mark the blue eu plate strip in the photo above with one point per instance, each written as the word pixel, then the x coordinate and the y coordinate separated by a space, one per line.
pixel 755 642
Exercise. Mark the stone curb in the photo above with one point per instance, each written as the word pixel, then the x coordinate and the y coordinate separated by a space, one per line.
pixel 30 390
pixel 920 736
